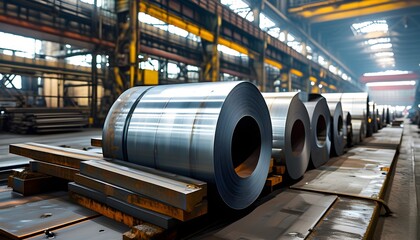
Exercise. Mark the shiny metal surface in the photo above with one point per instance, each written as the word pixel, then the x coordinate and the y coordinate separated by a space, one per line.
pixel 291 129
pixel 338 128
pixel 114 127
pixel 360 172
pixel 347 130
pixel 357 105
pixel 290 215
pixel 216 132
pixel 373 115
pixel 319 116
pixel 177 191
pixel 34 218
pixel 99 228
pixel 359 130
pixel 348 218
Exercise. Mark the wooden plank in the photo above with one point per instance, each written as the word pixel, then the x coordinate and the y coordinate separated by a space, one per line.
pixel 273 180
pixel 181 192
pixel 139 200
pixel 281 170
pixel 56 155
pixel 147 232
pixel 96 142
pixel 55 170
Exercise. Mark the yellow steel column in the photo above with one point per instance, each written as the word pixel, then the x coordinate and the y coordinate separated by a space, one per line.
pixel 211 62
pixel 134 25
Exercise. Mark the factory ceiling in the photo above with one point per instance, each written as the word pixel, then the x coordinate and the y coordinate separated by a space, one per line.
pixel 366 35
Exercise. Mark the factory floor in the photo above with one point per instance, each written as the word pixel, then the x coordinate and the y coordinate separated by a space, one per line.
pixel 79 140
pixel 404 191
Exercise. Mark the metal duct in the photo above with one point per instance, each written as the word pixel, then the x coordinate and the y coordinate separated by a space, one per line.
pixel 216 132
pixel 337 133
pixel 291 142
pixel 319 117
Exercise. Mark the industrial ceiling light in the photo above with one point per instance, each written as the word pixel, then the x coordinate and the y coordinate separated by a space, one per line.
pixel 381 46
pixel 378 40
pixel 384 54
pixel 391 83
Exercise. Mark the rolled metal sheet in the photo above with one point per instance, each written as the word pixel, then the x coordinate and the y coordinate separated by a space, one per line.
pixel 358 130
pixel 119 114
pixel 319 117
pixel 348 133
pixel 291 142
pixel 357 105
pixel 372 128
pixel 216 132
pixel 337 132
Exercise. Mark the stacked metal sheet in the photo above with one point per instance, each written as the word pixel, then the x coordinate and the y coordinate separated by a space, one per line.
pixel 41 120
pixel 148 194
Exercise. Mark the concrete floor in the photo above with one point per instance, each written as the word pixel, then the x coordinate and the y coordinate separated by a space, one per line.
pixel 78 140
pixel 404 191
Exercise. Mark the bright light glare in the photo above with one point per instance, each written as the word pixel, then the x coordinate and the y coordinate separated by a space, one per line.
pixel 384 54
pixel 227 50
pixel 312 83
pixel 391 83
pixel 389 72
pixel 320 85
pixel 381 46
pixel 378 40
pixel 371 26
pixel 265 22
pixel 240 7
pixel 98 2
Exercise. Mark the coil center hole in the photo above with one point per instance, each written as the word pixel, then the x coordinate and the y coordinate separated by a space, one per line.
pixel 246 146
pixel 297 137
pixel 340 125
pixel 321 130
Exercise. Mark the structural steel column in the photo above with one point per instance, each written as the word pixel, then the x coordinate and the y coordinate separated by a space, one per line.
pixel 94 100
pixel 134 42
pixel 211 62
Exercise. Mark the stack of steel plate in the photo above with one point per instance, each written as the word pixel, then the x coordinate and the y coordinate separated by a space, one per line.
pixel 40 120
pixel 148 194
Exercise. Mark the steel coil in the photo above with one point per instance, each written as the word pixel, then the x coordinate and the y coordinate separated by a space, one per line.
pixel 348 134
pixel 319 117
pixel 357 105
pixel 337 133
pixel 333 99
pixel 359 131
pixel 291 142
pixel 216 132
